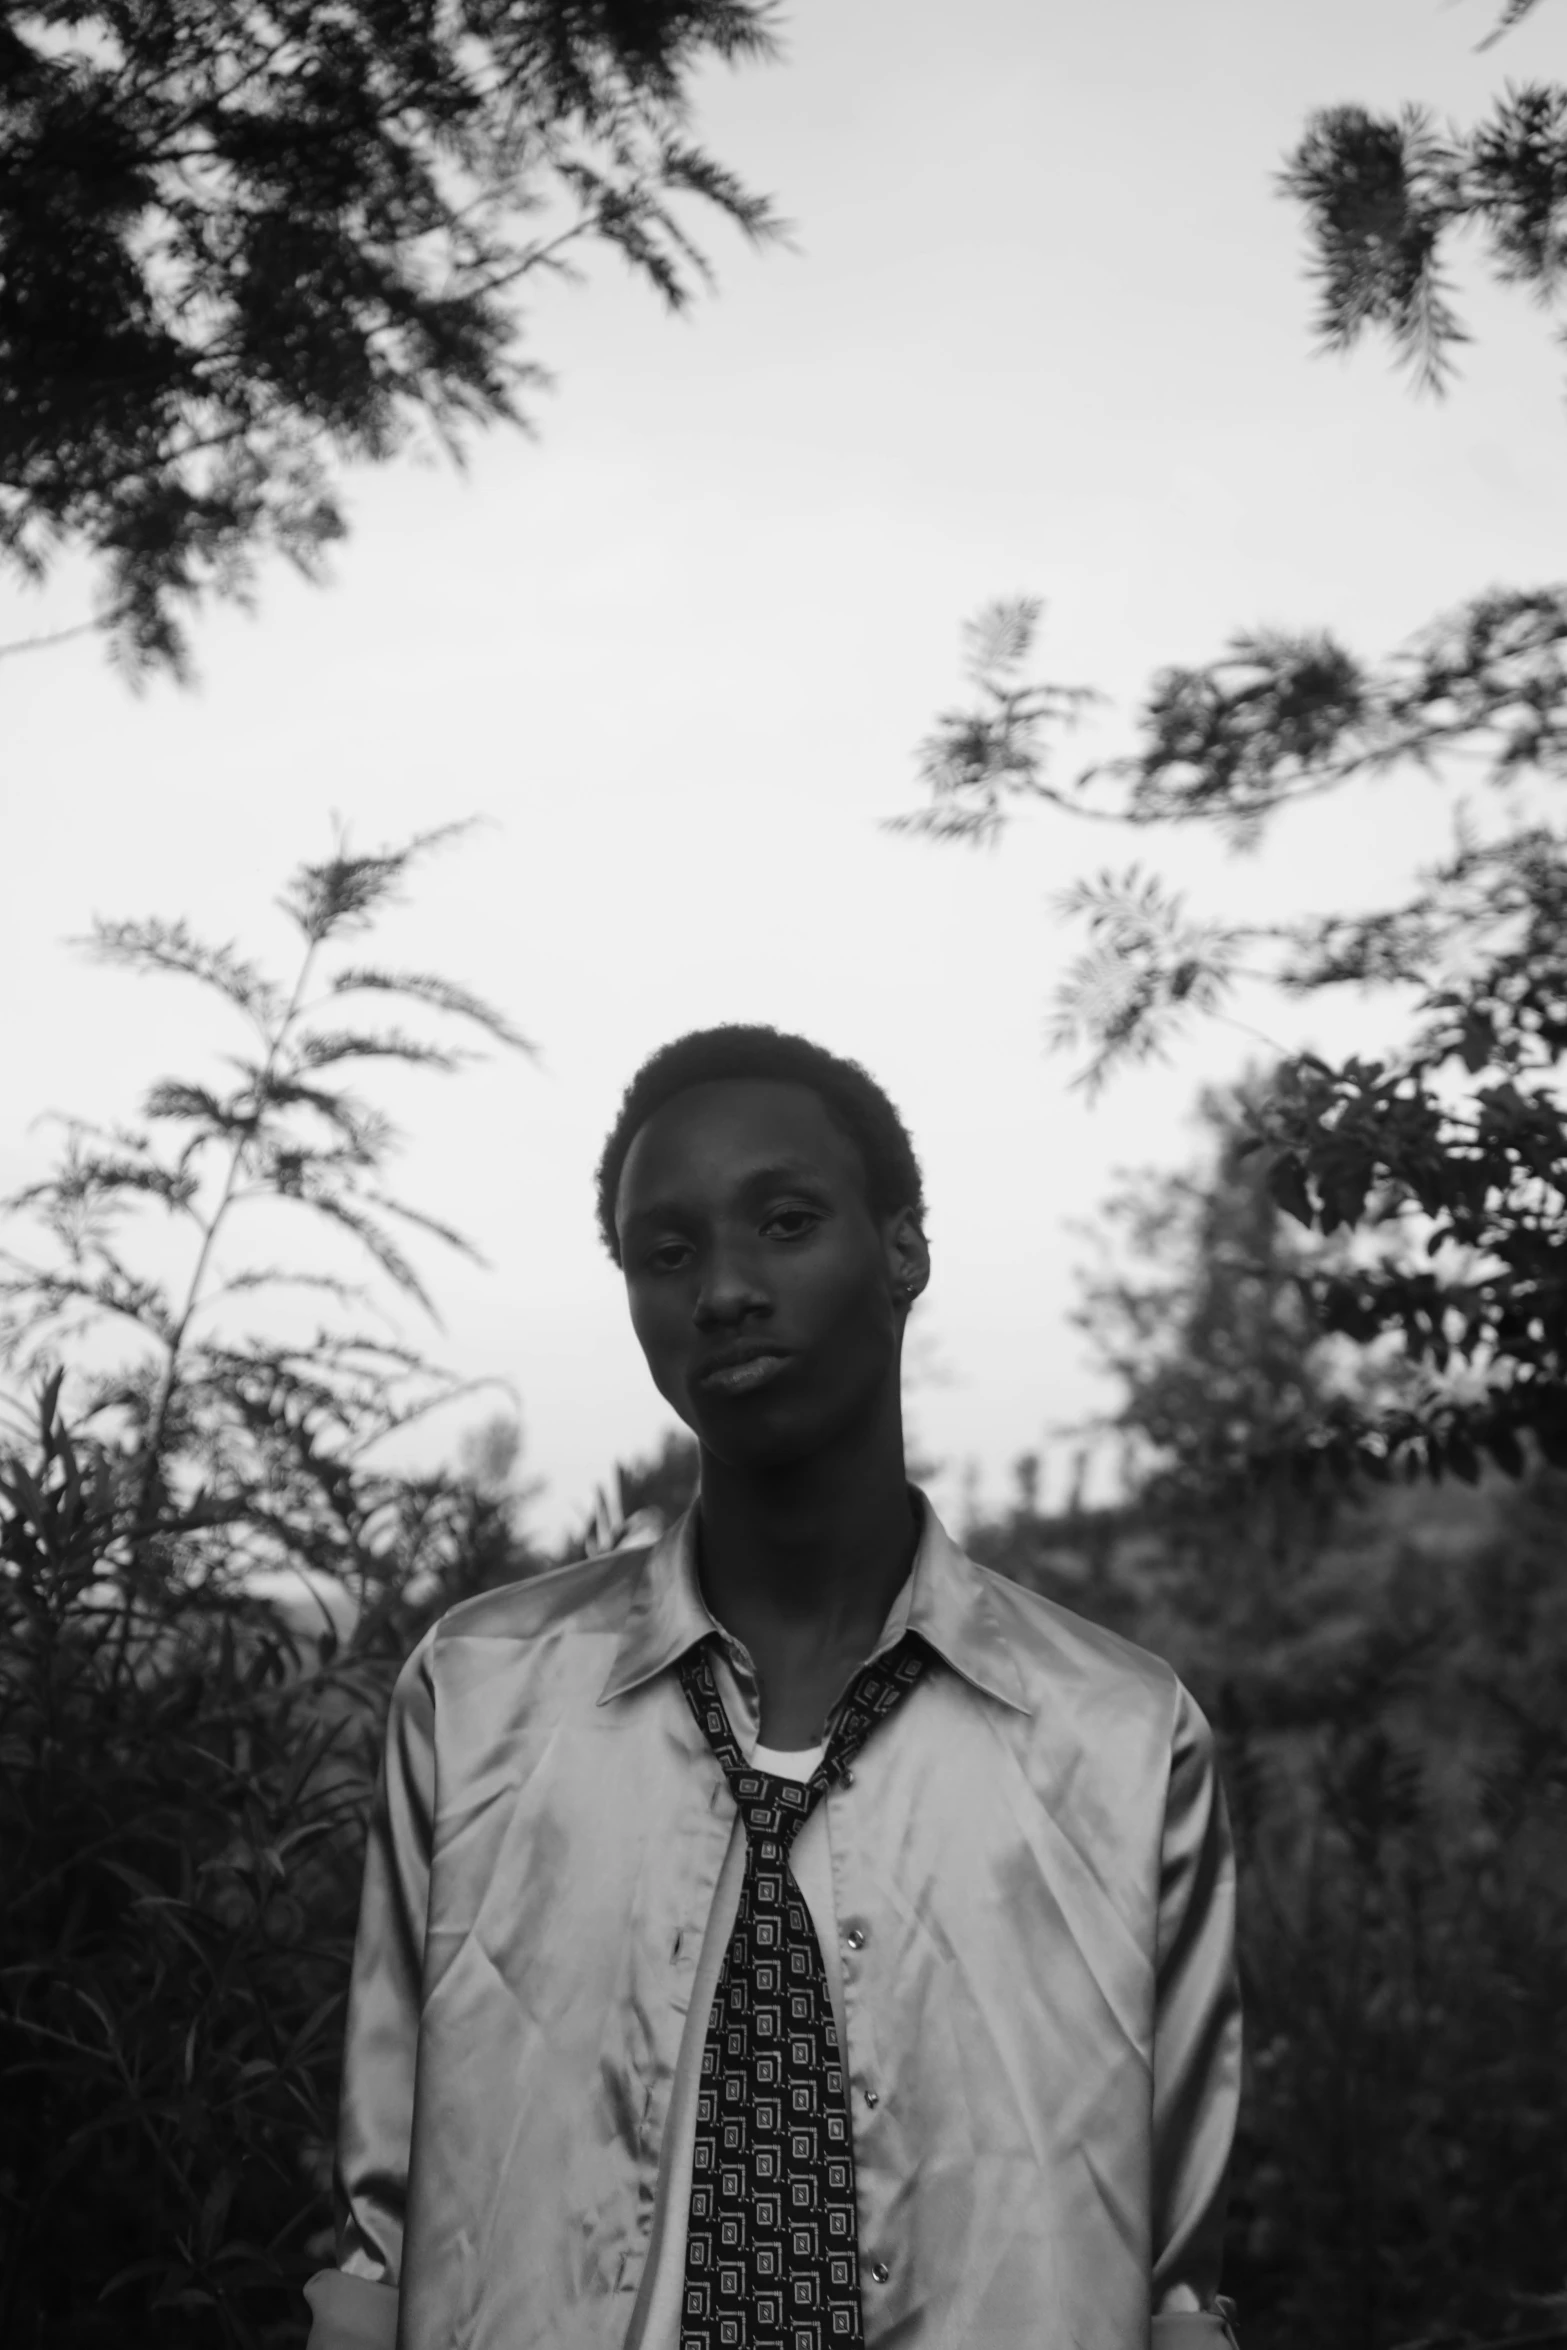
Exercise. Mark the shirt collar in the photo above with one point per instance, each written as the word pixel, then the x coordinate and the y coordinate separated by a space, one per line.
pixel 946 1601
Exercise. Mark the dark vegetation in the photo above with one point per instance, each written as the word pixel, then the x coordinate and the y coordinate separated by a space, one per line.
pixel 1337 1345
pixel 1386 1666
pixel 1341 1349
pixel 243 246
pixel 211 1566
pixel 1446 1155
pixel 1341 1352
pixel 187 1754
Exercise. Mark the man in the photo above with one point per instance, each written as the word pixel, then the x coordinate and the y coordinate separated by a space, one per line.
pixel 791 1935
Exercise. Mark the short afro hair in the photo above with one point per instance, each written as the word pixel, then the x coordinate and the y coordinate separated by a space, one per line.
pixel 852 1098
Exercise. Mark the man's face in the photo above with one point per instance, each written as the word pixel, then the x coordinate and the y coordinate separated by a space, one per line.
pixel 762 1289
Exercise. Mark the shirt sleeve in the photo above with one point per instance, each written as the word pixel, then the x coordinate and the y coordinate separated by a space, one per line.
pixel 355 2305
pixel 1197 2045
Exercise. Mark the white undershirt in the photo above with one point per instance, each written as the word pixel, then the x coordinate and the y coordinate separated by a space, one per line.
pixel 655 2321
pixel 779 1765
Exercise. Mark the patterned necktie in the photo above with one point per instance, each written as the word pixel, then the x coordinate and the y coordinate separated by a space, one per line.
pixel 772 2245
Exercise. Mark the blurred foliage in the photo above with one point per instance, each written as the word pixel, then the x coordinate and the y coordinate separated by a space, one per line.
pixel 1386 1668
pixel 1385 196
pixel 208 1579
pixel 181 1827
pixel 642 1499
pixel 664 1481
pixel 1448 1156
pixel 1196 1302
pixel 243 244
pixel 236 1440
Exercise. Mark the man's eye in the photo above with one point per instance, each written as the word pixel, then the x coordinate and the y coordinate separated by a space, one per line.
pixel 798 1220
pixel 669 1258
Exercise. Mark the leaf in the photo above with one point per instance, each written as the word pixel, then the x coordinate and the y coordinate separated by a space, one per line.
pixel 174 1100
pixel 1476 1041
pixel 138 2269
pixel 1002 636
pixel 441 995
pixel 1462 1458
pixel 326 1048
pixel 431 1224
pixel 1513 13
pixel 214 2211
pixel 173 947
pixel 1287 1186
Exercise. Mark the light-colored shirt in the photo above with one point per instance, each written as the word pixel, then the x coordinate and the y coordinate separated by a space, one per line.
pixel 1031 1919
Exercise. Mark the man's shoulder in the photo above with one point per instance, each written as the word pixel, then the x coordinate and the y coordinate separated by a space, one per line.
pixel 1056 1647
pixel 590 1595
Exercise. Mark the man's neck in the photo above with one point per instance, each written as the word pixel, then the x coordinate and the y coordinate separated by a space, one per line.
pixel 802 1565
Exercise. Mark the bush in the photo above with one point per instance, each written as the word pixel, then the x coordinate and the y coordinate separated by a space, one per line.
pixel 183 1786
pixel 1393 1733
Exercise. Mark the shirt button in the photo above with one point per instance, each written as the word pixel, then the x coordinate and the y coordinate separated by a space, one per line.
pixel 881 2272
pixel 855 1937
pixel 873 2097
pixel 848 1778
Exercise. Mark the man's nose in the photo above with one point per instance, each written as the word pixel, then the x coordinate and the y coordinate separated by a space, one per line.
pixel 730 1290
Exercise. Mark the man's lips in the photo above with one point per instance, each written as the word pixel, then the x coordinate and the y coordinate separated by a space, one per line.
pixel 738 1372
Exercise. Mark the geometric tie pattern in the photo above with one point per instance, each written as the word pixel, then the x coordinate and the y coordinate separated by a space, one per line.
pixel 772 2243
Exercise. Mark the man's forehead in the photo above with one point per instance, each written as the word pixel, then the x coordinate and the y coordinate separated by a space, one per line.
pixel 740 1131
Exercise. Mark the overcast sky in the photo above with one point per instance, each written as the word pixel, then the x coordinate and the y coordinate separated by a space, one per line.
pixel 1044 329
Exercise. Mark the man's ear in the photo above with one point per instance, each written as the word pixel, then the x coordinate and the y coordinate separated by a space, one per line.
pixel 908 1255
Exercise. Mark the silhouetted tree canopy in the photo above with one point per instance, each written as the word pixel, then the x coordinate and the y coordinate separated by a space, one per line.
pixel 1386 197
pixel 1387 1674
pixel 248 1446
pixel 1448 1156
pixel 241 244
pixel 1450 1153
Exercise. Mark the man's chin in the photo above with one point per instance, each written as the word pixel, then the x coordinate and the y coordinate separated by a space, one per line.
pixel 753 1441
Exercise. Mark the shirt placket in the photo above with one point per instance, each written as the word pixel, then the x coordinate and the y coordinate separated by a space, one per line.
pixel 849 1830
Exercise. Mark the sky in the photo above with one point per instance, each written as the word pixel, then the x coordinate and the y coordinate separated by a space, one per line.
pixel 1042 328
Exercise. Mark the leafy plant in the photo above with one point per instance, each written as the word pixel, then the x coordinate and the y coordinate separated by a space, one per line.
pixel 243 1444
pixel 181 1820
pixel 1387 1672
pixel 1447 1158
pixel 242 244
pixel 1451 1153
pixel 1385 195
pixel 187 1741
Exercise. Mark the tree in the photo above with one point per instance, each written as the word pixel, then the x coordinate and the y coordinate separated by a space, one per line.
pixel 248 1450
pixel 1449 1156
pixel 184 1769
pixel 1387 1675
pixel 1451 1153
pixel 240 245
pixel 1385 196
pixel 1198 1305
pixel 662 1482
pixel 639 1501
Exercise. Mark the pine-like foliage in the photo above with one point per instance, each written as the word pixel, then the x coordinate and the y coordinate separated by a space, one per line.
pixel 1449 1155
pixel 243 1441
pixel 1385 197
pixel 241 244
pixel 187 1743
